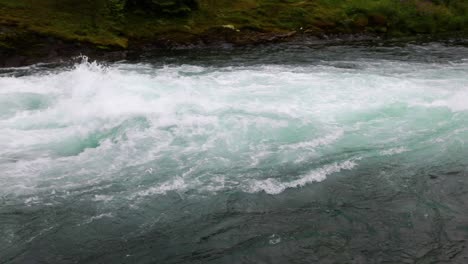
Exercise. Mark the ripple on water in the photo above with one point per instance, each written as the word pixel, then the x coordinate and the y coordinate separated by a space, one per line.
pixel 330 156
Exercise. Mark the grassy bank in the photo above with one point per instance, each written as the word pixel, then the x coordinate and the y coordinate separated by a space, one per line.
pixel 112 23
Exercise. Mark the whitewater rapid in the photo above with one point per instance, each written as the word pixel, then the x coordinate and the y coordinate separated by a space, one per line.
pixel 208 129
pixel 278 154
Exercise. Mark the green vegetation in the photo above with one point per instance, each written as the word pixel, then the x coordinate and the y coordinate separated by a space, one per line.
pixel 115 23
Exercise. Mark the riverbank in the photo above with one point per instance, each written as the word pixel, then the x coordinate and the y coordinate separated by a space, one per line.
pixel 50 30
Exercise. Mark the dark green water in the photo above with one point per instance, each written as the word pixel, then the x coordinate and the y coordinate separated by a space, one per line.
pixel 282 154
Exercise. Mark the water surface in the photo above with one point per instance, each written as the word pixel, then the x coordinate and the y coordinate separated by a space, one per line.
pixel 278 154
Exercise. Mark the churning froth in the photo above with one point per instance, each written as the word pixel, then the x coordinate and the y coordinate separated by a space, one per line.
pixel 247 128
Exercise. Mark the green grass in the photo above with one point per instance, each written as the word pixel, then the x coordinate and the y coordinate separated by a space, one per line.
pixel 51 17
pixel 101 23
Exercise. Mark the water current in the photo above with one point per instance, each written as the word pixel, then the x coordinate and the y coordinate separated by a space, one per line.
pixel 290 153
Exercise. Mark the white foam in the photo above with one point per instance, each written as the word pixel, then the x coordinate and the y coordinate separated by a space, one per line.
pixel 274 239
pixel 103 198
pixel 178 184
pixel 273 186
pixel 32 200
pixel 210 129
pixel 394 151
pixel 456 103
pixel 321 141
pixel 96 217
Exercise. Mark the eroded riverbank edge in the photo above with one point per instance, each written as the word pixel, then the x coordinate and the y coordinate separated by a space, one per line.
pixel 21 47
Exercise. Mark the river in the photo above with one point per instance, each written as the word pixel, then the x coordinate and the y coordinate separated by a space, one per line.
pixel 275 154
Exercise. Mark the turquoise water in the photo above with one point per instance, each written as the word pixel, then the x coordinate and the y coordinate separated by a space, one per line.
pixel 341 154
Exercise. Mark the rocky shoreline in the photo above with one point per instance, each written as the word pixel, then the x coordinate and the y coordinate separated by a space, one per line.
pixel 26 47
pixel 29 47
pixel 51 31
